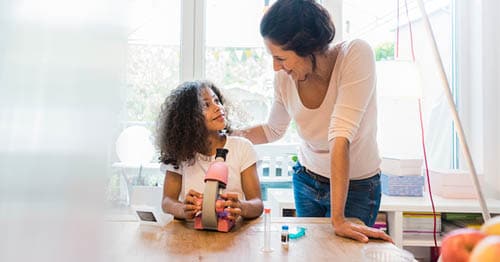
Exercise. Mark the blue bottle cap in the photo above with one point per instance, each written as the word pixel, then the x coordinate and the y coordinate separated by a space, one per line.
pixel 284 227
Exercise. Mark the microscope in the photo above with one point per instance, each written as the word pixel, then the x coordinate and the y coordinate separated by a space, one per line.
pixel 212 215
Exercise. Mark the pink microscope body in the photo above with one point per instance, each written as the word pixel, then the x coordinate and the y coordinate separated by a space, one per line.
pixel 213 216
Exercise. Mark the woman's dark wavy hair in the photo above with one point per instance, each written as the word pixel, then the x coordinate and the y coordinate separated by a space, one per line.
pixel 181 131
pixel 302 26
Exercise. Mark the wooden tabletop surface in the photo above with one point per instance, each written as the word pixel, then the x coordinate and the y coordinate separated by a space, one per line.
pixel 178 241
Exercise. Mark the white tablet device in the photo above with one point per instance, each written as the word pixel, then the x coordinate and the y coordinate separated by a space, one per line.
pixel 151 216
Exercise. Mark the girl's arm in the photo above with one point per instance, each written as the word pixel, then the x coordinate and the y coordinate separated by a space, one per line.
pixel 252 206
pixel 171 204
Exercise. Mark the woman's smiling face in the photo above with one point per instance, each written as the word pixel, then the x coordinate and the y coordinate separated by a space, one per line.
pixel 294 65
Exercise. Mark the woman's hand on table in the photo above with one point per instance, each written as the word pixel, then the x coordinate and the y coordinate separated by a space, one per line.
pixel 232 205
pixel 359 232
pixel 192 203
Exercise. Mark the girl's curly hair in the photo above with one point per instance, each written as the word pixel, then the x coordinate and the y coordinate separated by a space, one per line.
pixel 181 131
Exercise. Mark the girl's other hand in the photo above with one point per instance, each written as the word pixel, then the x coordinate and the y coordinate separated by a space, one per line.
pixel 192 203
pixel 232 204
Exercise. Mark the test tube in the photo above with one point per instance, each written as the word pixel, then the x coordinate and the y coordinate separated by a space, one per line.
pixel 267 231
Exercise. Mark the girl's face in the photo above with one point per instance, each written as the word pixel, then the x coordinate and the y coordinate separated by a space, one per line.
pixel 294 65
pixel 213 110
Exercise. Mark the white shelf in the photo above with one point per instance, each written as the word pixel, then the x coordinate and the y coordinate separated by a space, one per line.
pixel 423 204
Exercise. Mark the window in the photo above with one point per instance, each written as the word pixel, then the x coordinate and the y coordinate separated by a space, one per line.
pixel 401 82
pixel 221 42
pixel 175 41
pixel 236 59
pixel 153 58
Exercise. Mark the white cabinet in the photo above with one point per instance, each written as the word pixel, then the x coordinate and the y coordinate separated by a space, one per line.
pixel 282 200
pixel 395 206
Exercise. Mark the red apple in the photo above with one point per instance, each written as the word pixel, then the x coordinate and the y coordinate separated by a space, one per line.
pixel 487 250
pixel 458 244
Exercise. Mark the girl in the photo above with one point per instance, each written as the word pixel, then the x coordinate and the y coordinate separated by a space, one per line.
pixel 190 129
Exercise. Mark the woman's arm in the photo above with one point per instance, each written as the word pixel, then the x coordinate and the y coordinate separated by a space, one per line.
pixel 252 206
pixel 339 183
pixel 171 204
pixel 255 134
pixel 339 186
pixel 277 123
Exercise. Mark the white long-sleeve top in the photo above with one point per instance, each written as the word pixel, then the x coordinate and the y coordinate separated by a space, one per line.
pixel 348 110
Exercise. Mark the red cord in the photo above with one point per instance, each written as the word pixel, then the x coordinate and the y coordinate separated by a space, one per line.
pixel 420 115
pixel 411 33
pixel 427 170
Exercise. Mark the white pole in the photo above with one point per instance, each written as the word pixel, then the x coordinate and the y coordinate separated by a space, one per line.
pixel 456 119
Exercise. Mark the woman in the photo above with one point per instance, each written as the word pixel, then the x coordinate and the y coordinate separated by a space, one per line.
pixel 329 91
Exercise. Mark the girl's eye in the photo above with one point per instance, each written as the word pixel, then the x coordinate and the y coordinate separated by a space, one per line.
pixel 217 101
pixel 207 104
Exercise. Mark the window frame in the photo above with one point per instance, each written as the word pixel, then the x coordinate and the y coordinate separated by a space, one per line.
pixel 192 39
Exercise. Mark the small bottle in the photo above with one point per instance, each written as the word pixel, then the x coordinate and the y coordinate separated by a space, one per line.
pixel 267 231
pixel 284 236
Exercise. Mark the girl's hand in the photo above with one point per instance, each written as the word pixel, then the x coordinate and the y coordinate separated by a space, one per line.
pixel 192 203
pixel 232 204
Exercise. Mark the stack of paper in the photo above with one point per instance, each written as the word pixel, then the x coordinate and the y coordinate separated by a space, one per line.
pixel 401 166
pixel 420 223
pixel 401 176
pixel 452 221
pixel 381 222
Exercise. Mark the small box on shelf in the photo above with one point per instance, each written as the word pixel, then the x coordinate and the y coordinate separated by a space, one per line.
pixel 453 184
pixel 402 185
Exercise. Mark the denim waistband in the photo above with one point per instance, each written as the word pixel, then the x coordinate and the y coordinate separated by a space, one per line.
pixel 314 176
pixel 376 176
pixel 326 180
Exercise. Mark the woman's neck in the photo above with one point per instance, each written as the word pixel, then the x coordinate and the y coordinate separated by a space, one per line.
pixel 324 65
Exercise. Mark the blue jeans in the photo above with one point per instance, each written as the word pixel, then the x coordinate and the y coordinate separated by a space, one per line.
pixel 312 196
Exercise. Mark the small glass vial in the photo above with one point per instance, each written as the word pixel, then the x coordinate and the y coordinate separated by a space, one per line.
pixel 284 236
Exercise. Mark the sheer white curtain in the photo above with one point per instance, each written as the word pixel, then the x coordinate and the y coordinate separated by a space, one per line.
pixel 489 57
pixel 478 77
pixel 61 68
